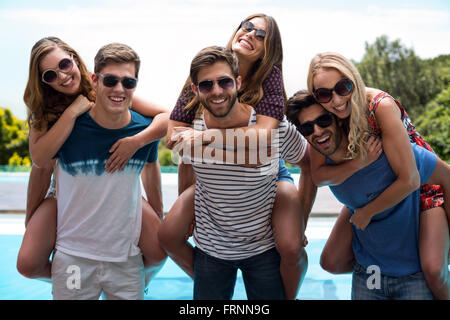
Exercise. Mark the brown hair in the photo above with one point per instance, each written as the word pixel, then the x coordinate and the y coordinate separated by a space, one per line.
pixel 273 56
pixel 210 55
pixel 118 53
pixel 302 99
pixel 44 104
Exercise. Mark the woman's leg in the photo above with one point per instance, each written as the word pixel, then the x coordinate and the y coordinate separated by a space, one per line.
pixel 337 255
pixel 174 230
pixel 154 255
pixel 433 248
pixel 40 221
pixel 177 225
pixel 288 228
pixel 434 236
pixel 38 242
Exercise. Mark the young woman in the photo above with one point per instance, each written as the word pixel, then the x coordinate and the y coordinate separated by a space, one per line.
pixel 59 89
pixel 338 87
pixel 257 43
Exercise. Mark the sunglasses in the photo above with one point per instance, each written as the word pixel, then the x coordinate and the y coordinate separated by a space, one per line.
pixel 205 86
pixel 343 88
pixel 247 26
pixel 323 121
pixel 51 75
pixel 111 81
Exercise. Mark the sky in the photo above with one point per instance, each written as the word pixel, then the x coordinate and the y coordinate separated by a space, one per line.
pixel 168 34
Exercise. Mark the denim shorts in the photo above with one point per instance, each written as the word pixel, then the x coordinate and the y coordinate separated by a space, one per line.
pixel 214 278
pixel 410 287
pixel 283 173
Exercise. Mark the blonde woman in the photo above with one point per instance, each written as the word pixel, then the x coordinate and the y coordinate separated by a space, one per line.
pixel 338 87
pixel 59 89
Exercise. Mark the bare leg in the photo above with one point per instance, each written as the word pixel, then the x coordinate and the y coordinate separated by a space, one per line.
pixel 288 227
pixel 186 177
pixel 40 221
pixel 173 230
pixel 433 247
pixel 337 255
pixel 38 242
pixel 154 255
pixel 434 237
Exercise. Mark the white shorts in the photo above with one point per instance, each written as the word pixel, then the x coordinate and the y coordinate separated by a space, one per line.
pixel 76 278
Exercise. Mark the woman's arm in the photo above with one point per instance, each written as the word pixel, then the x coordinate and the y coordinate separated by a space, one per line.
pixel 123 149
pixel 327 175
pixel 44 144
pixel 397 147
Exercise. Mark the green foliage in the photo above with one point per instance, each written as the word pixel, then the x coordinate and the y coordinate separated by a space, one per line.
pixel 164 154
pixel 391 67
pixel 434 124
pixel 17 160
pixel 13 138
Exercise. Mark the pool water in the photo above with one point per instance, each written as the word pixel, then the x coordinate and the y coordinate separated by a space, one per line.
pixel 171 283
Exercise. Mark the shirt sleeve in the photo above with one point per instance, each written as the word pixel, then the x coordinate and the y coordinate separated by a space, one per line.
pixel 272 103
pixel 179 113
pixel 292 144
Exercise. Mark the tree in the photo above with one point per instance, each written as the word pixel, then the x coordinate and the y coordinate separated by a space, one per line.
pixel 393 68
pixel 434 124
pixel 13 138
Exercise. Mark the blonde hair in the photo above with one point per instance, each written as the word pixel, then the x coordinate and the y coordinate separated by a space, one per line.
pixel 44 104
pixel 273 56
pixel 358 123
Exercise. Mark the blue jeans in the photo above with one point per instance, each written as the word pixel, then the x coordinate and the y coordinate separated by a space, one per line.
pixel 214 278
pixel 410 287
pixel 283 173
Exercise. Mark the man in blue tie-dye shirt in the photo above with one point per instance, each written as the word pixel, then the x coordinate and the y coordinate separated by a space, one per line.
pixel 99 214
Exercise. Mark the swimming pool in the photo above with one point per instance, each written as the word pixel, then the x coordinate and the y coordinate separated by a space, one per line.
pixel 171 283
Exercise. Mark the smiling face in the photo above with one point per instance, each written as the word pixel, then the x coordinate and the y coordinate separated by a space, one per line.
pixel 218 101
pixel 117 99
pixel 325 140
pixel 246 45
pixel 66 83
pixel 339 105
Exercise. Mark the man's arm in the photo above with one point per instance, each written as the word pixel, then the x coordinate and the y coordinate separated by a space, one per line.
pixel 151 179
pixel 38 184
pixel 307 190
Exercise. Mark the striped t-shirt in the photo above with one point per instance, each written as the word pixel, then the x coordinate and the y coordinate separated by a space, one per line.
pixel 233 203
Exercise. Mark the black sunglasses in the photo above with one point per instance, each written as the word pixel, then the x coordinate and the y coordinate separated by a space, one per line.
pixel 110 81
pixel 205 86
pixel 51 75
pixel 343 88
pixel 247 26
pixel 323 121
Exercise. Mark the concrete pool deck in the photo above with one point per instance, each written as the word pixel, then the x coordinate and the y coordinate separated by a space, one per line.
pixel 13 194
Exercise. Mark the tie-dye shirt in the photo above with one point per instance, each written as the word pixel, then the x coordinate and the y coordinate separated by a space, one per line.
pixel 99 214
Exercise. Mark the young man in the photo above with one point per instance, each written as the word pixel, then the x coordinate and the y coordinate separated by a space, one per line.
pixel 99 214
pixel 386 250
pixel 234 193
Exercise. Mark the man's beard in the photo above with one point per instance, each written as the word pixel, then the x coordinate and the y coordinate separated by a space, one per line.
pixel 227 110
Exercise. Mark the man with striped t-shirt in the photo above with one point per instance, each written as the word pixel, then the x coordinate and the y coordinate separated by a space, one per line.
pixel 235 187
